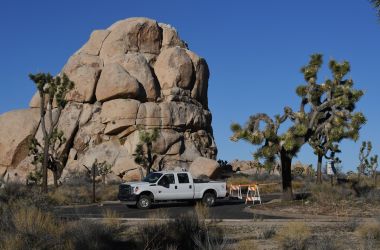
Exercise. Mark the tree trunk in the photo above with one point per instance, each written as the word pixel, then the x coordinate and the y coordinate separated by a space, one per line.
pixel 93 183
pixel 319 169
pixel 45 160
pixel 55 176
pixel 286 171
pixel 375 178
pixel 150 161
pixel 45 164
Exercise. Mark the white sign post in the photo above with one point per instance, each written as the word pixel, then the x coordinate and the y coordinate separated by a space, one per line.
pixel 331 170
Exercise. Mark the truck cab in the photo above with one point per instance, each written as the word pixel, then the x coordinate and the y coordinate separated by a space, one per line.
pixel 170 186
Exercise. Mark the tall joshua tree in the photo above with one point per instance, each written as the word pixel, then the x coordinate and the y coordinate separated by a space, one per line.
pixel 143 153
pixel 50 89
pixel 321 106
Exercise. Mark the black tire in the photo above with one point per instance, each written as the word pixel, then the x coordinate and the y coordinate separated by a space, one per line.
pixel 209 199
pixel 144 202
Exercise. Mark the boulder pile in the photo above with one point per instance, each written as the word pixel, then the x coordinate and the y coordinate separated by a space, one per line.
pixel 136 74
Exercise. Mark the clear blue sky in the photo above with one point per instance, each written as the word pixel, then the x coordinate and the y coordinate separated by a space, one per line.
pixel 254 50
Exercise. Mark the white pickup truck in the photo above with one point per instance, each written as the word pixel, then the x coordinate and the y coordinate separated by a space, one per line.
pixel 170 186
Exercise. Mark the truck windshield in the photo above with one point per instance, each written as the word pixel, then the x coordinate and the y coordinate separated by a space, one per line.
pixel 152 177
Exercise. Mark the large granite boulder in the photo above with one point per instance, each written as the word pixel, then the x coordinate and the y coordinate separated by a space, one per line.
pixel 16 129
pixel 135 75
pixel 204 167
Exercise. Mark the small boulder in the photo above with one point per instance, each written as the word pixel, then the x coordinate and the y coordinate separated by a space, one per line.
pixel 137 66
pixel 115 82
pixel 174 68
pixel 83 70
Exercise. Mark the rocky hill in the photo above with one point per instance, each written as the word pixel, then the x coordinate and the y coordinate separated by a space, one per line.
pixel 135 74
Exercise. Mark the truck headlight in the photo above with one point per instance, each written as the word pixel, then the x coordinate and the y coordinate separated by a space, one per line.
pixel 136 189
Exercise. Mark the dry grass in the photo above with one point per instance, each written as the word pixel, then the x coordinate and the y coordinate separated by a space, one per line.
pixel 246 245
pixel 111 219
pixel 188 231
pixel 68 194
pixel 369 231
pixel 202 212
pixel 370 235
pixel 326 194
pixel 294 236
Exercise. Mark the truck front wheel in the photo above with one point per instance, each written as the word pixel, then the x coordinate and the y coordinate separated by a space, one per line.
pixel 144 202
pixel 209 199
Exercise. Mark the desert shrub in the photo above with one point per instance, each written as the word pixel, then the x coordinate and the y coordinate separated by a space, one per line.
pixel 92 235
pixel 69 194
pixel 324 242
pixel 351 225
pixel 294 236
pixel 268 232
pixel 202 212
pixel 262 233
pixel 369 230
pixel 29 227
pixel 111 219
pixel 108 192
pixel 370 234
pixel 26 223
pixel 185 232
pixel 373 196
pixel 327 194
pixel 29 195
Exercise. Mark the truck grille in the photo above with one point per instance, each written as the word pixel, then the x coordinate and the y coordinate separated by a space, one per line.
pixel 125 190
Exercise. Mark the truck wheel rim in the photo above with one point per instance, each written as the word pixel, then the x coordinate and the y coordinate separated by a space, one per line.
pixel 210 200
pixel 144 202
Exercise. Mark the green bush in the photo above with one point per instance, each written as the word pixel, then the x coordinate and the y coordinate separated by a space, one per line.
pixel 294 236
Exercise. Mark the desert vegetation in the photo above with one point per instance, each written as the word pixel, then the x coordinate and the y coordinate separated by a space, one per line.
pixel 27 221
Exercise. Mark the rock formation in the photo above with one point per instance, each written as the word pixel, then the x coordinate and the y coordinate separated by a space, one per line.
pixel 135 74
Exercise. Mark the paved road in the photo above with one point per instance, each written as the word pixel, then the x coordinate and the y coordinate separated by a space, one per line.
pixel 223 209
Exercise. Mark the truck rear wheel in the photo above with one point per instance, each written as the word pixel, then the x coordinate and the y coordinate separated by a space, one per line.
pixel 208 199
pixel 144 202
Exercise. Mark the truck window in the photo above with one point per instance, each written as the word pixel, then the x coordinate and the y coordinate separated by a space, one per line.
pixel 152 177
pixel 164 181
pixel 170 178
pixel 183 178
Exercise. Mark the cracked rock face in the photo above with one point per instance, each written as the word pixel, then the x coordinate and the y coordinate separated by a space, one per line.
pixel 136 74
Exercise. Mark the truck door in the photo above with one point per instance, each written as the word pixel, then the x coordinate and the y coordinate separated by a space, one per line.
pixel 165 189
pixel 185 187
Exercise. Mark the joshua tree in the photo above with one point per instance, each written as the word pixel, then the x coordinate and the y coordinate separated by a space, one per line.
pixel 104 169
pixel 365 151
pixel 367 165
pixel 321 145
pixel 376 5
pixel 143 154
pixel 322 107
pixel 47 155
pixel 98 169
pixel 373 165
